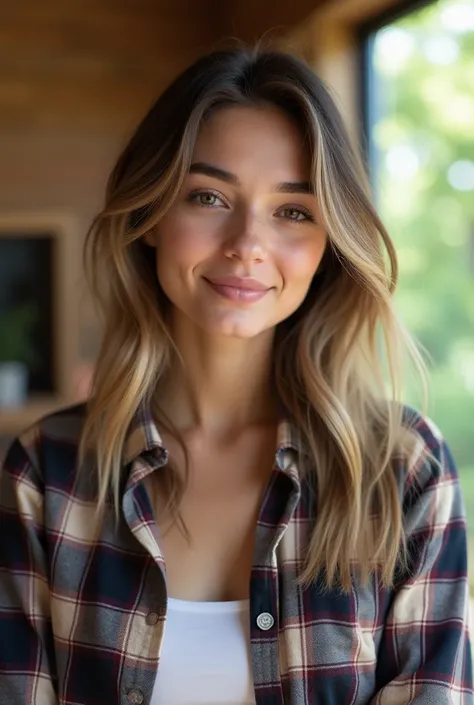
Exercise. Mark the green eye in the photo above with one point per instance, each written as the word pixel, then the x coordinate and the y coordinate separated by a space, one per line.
pixel 206 199
pixel 296 215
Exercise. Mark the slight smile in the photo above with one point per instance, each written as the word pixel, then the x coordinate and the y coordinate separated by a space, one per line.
pixel 243 290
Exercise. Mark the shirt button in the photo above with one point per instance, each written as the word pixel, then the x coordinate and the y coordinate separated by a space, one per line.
pixel 265 621
pixel 135 697
pixel 151 619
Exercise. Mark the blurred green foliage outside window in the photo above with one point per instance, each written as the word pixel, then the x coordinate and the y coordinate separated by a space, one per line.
pixel 420 109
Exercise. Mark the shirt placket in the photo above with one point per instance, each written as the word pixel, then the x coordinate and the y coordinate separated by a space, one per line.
pixel 264 586
pixel 150 616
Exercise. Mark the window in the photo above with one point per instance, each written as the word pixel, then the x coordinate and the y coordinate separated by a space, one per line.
pixel 419 110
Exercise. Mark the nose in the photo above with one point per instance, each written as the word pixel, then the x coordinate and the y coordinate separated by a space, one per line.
pixel 246 240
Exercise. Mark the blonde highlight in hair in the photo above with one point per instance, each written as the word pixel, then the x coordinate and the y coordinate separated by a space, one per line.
pixel 332 357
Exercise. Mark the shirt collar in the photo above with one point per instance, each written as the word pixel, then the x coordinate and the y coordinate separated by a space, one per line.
pixel 144 438
pixel 142 435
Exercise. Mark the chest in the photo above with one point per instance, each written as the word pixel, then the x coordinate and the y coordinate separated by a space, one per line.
pixel 316 645
pixel 208 546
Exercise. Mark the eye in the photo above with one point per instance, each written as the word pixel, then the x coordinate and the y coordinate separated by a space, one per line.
pixel 296 215
pixel 205 199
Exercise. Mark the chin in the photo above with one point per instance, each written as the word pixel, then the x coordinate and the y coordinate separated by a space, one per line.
pixel 236 329
pixel 237 332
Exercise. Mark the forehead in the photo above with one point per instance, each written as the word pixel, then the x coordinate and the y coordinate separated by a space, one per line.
pixel 265 139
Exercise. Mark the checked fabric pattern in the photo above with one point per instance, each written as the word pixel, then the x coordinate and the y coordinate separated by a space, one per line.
pixel 76 598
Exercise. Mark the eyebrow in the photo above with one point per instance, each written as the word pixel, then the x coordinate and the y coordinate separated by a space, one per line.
pixel 216 172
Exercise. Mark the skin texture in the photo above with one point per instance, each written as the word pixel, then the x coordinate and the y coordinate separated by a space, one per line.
pixel 243 225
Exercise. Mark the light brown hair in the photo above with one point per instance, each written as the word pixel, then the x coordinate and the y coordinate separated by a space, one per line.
pixel 332 358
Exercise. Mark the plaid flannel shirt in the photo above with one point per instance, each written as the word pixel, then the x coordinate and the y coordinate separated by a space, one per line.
pixel 83 610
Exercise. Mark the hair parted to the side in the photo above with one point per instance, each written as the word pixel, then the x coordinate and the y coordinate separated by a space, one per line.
pixel 331 356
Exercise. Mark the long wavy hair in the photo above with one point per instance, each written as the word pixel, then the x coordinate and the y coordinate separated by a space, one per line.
pixel 339 360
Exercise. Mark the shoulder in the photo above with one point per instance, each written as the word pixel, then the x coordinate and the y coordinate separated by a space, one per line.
pixel 430 458
pixel 432 498
pixel 48 448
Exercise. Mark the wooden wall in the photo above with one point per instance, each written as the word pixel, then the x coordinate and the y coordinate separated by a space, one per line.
pixel 75 76
pixel 252 20
pixel 92 63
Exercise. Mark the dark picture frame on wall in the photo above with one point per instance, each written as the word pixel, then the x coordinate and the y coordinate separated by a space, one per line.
pixel 39 258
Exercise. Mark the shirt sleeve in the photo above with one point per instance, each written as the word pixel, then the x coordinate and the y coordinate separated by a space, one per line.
pixel 425 654
pixel 26 645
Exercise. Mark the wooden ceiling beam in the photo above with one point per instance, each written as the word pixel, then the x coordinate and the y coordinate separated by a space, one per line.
pixel 251 20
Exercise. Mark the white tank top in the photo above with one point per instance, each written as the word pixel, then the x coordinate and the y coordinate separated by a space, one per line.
pixel 205 656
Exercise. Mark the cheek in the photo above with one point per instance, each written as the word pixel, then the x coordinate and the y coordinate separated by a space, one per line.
pixel 182 243
pixel 301 261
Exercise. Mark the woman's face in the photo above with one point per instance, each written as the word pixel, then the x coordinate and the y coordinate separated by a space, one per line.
pixel 237 251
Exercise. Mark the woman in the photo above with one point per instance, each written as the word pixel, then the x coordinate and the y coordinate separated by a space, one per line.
pixel 241 513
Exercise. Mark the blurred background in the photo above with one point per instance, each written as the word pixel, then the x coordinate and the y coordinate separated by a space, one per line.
pixel 76 76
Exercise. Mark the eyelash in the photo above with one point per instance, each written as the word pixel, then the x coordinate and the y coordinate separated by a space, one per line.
pixel 308 216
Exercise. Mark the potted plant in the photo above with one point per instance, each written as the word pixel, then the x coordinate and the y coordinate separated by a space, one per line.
pixel 17 354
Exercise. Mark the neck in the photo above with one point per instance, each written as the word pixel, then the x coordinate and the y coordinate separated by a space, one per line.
pixel 220 385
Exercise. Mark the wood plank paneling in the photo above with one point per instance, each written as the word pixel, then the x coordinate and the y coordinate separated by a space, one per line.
pixel 251 20
pixel 87 64
pixel 75 77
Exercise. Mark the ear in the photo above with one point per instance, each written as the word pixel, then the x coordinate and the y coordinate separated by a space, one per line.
pixel 149 238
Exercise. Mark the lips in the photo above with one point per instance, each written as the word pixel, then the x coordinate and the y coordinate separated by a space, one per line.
pixel 243 290
pixel 247 283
